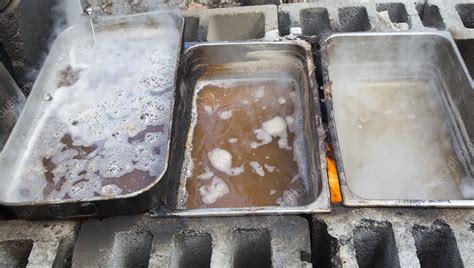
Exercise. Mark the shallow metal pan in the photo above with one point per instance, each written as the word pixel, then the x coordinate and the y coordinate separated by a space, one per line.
pixel 400 57
pixel 255 60
pixel 44 90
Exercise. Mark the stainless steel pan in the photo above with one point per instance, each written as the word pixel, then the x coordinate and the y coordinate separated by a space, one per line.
pixel 241 61
pixel 362 60
pixel 152 44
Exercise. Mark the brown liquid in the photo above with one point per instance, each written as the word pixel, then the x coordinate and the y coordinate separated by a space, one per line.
pixel 129 183
pixel 248 114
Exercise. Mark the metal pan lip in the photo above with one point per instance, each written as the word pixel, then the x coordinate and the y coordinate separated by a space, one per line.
pixel 350 199
pixel 180 27
pixel 321 204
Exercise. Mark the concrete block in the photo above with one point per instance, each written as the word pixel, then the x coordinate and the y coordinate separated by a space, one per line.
pixel 260 2
pixel 251 26
pixel 394 237
pixel 194 242
pixel 36 244
pixel 326 16
pixel 230 24
pixel 458 15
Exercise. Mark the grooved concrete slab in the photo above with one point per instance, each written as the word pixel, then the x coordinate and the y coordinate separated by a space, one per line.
pixel 172 242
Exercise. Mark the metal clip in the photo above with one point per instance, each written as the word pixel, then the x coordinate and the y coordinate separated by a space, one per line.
pixel 90 12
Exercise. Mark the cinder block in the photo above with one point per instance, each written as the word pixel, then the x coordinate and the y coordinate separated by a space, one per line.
pixel 348 15
pixel 24 31
pixel 230 24
pixel 194 242
pixel 260 2
pixel 466 48
pixel 381 237
pixel 250 26
pixel 36 244
pixel 458 15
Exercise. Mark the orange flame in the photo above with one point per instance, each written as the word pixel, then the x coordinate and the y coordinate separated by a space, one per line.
pixel 336 196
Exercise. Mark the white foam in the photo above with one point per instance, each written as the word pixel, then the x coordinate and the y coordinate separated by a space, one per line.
pixel 124 85
pixel 232 140
pixel 467 188
pixel 214 191
pixel 281 100
pixel 275 127
pixel 206 175
pixel 226 115
pixel 269 168
pixel 260 93
pixel 257 168
pixel 111 190
pixel 222 160
pixel 263 136
pixel 208 109
pixel 289 198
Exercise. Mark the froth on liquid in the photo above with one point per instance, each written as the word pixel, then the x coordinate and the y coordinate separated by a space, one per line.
pixel 103 131
pixel 247 145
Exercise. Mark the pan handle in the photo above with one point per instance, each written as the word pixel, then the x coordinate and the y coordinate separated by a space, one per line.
pixel 83 210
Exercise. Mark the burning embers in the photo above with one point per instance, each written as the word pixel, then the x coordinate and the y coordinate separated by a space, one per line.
pixel 246 145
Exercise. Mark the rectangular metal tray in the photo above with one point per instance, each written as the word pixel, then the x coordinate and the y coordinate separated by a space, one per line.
pixel 154 43
pixel 242 61
pixel 400 58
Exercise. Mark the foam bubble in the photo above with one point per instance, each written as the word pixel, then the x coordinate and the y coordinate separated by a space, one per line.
pixel 260 93
pixel 289 198
pixel 257 168
pixel 467 188
pixel 111 190
pixel 208 109
pixel 214 191
pixel 225 115
pixel 269 168
pixel 281 100
pixel 206 175
pixel 222 160
pixel 275 127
